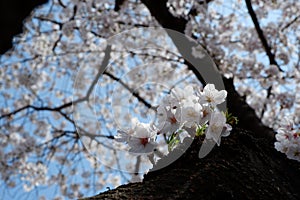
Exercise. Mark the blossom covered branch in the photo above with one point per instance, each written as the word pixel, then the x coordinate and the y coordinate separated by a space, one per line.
pixel 180 112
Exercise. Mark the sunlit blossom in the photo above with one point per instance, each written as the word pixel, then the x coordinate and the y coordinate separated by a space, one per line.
pixel 212 96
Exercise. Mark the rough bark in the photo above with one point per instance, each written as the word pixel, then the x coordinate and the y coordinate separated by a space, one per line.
pixel 246 115
pixel 243 167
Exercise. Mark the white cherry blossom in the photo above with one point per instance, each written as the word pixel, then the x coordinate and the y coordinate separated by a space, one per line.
pixel 293 152
pixel 212 96
pixel 216 125
pixel 169 119
pixel 191 113
pixel 288 139
pixel 140 137
pixel 187 94
pixel 33 174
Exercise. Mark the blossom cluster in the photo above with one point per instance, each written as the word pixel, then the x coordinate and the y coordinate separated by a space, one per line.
pixel 182 113
pixel 33 174
pixel 288 140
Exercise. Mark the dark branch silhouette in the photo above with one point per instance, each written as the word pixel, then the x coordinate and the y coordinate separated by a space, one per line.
pixel 12 14
pixel 261 35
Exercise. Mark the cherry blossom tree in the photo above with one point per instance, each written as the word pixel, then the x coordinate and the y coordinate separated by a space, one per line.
pixel 80 63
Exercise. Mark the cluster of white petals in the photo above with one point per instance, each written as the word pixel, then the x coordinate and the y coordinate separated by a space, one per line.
pixel 33 174
pixel 180 111
pixel 288 140
pixel 140 137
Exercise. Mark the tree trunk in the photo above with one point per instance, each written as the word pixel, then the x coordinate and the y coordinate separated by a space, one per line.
pixel 243 167
pixel 12 14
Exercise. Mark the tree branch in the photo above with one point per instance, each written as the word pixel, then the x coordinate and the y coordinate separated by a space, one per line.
pixel 261 35
pixel 159 10
pixel 236 104
pixel 59 108
pixel 290 23
pixel 135 94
